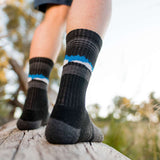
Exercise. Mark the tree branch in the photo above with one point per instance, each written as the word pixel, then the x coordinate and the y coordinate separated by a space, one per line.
pixel 20 73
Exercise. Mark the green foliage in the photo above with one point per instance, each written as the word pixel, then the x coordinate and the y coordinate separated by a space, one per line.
pixel 21 22
pixel 3 65
pixel 4 112
pixel 138 137
pixel 115 136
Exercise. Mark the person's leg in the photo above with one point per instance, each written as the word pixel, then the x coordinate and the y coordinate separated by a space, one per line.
pixel 69 121
pixel 89 14
pixel 47 38
pixel 44 48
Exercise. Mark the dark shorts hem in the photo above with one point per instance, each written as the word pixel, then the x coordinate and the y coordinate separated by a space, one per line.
pixel 41 4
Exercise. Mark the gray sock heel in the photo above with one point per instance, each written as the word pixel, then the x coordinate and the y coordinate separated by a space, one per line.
pixel 58 132
pixel 28 125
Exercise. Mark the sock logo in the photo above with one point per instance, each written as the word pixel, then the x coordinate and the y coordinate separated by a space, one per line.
pixel 79 59
pixel 38 77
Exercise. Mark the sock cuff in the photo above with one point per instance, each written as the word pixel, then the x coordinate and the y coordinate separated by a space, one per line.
pixel 87 34
pixel 40 69
pixel 43 60
pixel 37 84
pixel 83 47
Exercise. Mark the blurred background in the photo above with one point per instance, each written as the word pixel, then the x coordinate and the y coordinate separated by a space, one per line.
pixel 123 97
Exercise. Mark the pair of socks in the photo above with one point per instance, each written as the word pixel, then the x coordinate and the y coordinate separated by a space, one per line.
pixel 69 121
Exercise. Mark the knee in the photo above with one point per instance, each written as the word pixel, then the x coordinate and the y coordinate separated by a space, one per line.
pixel 56 14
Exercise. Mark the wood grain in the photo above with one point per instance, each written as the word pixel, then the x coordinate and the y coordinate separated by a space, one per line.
pixel 32 145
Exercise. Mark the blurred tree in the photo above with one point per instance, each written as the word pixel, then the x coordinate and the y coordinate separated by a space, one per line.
pixel 124 107
pixel 3 82
pixel 94 110
pixel 20 21
pixel 133 129
pixel 155 103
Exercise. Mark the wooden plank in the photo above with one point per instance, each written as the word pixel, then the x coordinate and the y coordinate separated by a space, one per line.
pixel 104 151
pixel 6 130
pixel 10 145
pixel 28 145
pixel 28 148
pixel 8 127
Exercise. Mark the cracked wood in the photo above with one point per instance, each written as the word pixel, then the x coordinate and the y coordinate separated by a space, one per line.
pixel 28 145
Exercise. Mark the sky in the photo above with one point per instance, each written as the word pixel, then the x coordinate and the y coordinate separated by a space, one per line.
pixel 129 62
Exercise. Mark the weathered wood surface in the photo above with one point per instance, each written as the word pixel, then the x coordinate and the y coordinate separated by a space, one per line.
pixel 32 145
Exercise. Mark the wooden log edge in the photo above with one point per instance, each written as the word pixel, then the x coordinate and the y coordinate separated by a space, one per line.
pixel 32 145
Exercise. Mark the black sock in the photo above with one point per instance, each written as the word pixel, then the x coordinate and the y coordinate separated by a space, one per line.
pixel 35 110
pixel 69 122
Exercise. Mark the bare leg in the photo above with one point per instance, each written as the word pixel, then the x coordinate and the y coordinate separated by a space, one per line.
pixel 47 37
pixel 89 14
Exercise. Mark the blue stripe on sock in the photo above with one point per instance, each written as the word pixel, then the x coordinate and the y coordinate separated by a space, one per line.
pixel 79 58
pixel 33 76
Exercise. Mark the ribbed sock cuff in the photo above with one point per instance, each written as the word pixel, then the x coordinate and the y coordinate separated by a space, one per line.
pixel 83 46
pixel 40 69
pixel 43 60
pixel 85 33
